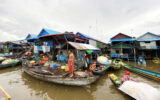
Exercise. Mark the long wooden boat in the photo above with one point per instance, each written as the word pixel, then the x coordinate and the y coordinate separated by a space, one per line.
pixel 114 79
pixel 10 64
pixel 4 95
pixel 59 79
pixel 146 73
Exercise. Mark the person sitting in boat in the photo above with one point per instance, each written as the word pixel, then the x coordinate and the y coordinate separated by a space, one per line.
pixel 71 63
pixel 45 58
pixel 30 54
pixel 92 67
pixel 127 77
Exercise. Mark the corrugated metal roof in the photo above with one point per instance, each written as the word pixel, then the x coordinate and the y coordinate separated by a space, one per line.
pixel 81 46
pixel 149 37
pixel 52 35
pixel 83 36
pixel 31 37
pixel 47 32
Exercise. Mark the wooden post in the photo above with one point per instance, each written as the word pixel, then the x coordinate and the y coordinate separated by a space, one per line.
pixel 77 59
pixel 134 54
pixel 157 53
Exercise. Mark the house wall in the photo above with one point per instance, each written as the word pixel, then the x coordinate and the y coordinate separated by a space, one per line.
pixel 92 42
pixel 150 45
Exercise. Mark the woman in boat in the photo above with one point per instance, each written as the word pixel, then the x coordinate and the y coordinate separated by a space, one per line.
pixel 127 77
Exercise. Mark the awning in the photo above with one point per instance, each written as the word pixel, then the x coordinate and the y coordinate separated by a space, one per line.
pixel 82 46
pixel 118 40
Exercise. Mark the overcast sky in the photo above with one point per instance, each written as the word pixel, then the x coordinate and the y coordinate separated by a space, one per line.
pixel 101 19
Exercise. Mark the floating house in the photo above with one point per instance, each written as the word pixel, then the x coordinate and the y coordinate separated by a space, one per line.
pixel 149 45
pixel 2 45
pixel 123 46
pixel 56 40
pixel 92 41
pixel 14 46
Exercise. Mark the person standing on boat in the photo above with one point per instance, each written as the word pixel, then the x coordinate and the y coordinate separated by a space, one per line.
pixel 71 63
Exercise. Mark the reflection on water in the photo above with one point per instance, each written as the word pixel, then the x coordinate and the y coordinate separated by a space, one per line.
pixel 21 86
pixel 54 91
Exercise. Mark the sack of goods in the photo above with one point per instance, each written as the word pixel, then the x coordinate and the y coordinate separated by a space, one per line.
pixel 66 68
pixel 32 62
pixel 46 64
pixel 54 65
pixel 9 61
pixel 113 77
pixel 2 58
pixel 102 59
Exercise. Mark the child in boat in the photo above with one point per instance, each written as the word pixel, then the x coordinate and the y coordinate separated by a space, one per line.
pixel 127 77
pixel 92 67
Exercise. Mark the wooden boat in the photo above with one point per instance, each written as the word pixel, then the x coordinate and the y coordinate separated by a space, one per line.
pixel 156 60
pixel 136 90
pixel 146 73
pixel 114 80
pixel 59 79
pixel 10 64
pixel 116 64
pixel 4 95
pixel 101 71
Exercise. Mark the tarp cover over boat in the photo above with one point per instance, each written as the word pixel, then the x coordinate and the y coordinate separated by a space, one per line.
pixel 140 91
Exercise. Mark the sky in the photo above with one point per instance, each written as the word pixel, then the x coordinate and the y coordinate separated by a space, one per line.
pixel 100 19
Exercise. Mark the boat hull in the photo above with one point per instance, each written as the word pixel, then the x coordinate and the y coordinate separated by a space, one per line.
pixel 145 73
pixel 8 65
pixel 59 79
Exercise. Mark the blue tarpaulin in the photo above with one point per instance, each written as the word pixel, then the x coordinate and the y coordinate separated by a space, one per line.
pixel 118 40
pixel 47 32
pixel 83 36
pixel 31 37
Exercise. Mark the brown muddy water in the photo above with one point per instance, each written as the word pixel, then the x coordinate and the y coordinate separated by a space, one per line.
pixel 21 86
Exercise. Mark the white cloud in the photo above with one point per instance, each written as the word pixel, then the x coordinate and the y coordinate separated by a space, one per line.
pixel 100 19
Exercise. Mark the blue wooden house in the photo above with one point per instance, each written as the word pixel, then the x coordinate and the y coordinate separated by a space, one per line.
pixel 149 45
pixel 123 46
